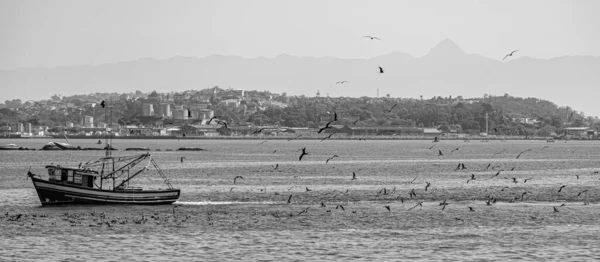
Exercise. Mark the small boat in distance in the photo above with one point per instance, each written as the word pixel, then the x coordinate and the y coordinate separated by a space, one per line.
pixel 103 181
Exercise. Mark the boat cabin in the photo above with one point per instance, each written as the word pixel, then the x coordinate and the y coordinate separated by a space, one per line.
pixel 73 176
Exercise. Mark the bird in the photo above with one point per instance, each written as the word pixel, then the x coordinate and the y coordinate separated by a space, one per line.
pixel 341 82
pixel 514 180
pixel 331 158
pixel 435 139
pixel 561 188
pixel 340 206
pixel 335 116
pixel 220 122
pixel 555 209
pixel 372 37
pixel 103 104
pixel 577 177
pixel 325 127
pixel 303 154
pixel 355 121
pixel 211 119
pixel 427 186
pixel 511 54
pixel 459 219
pixel 456 149
pixel 390 110
pixel 308 189
pixel 471 209
pixel 327 137
pixel 323 204
pixel 276 166
pixel 432 146
pixel 522 153
pixel 99 142
pixel 504 188
pixel 182 158
pixel 388 208
pixel 584 191
pixel 353 176
pixel 235 178
pixel 498 153
pixel 258 131
pixel 488 166
pixel 303 211
pixel 440 153
pixel 526 179
pixel 380 69
pixel 289 199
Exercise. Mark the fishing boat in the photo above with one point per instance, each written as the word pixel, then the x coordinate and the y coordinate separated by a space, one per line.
pixel 103 181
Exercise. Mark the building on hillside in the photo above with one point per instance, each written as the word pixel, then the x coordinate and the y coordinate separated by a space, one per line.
pixel 202 114
pixel 180 114
pixel 147 109
pixel 230 102
pixel 27 128
pixel 19 128
pixel 164 110
pixel 88 121
pixel 580 131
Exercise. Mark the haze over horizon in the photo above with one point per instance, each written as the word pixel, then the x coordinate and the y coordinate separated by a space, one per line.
pixel 54 34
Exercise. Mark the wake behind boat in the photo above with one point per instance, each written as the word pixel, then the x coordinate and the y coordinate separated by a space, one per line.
pixel 103 181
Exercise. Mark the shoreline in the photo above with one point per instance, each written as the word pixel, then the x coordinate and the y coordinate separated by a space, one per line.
pixel 466 139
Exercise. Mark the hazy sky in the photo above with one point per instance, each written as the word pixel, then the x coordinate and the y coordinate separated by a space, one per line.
pixel 58 33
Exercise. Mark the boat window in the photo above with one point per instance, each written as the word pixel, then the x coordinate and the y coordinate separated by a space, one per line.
pixel 70 175
pixel 51 174
pixel 77 179
pixel 64 175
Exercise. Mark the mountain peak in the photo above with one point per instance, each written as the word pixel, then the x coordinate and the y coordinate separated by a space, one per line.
pixel 445 47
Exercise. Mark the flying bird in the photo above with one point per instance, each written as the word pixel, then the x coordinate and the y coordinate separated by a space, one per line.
pixel 182 158
pixel 289 199
pixel 103 104
pixel 258 131
pixel 555 209
pixel 427 186
pixel 276 166
pixel 372 37
pixel 471 209
pixel 432 146
pixel 354 123
pixel 526 179
pixel 440 153
pixel 327 137
pixel 235 178
pixel 303 154
pixel 435 139
pixel 340 206
pixel 387 207
pixel 331 158
pixel 380 69
pixel 353 176
pixel 488 166
pixel 211 119
pixel 456 149
pixel 390 110
pixel 511 54
pixel 561 188
pixel 308 189
pixel 325 127
pixel 341 82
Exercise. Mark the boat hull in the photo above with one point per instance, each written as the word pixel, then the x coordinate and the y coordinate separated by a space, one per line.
pixel 61 194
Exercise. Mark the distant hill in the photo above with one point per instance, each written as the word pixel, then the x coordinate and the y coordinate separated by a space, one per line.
pixel 445 70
